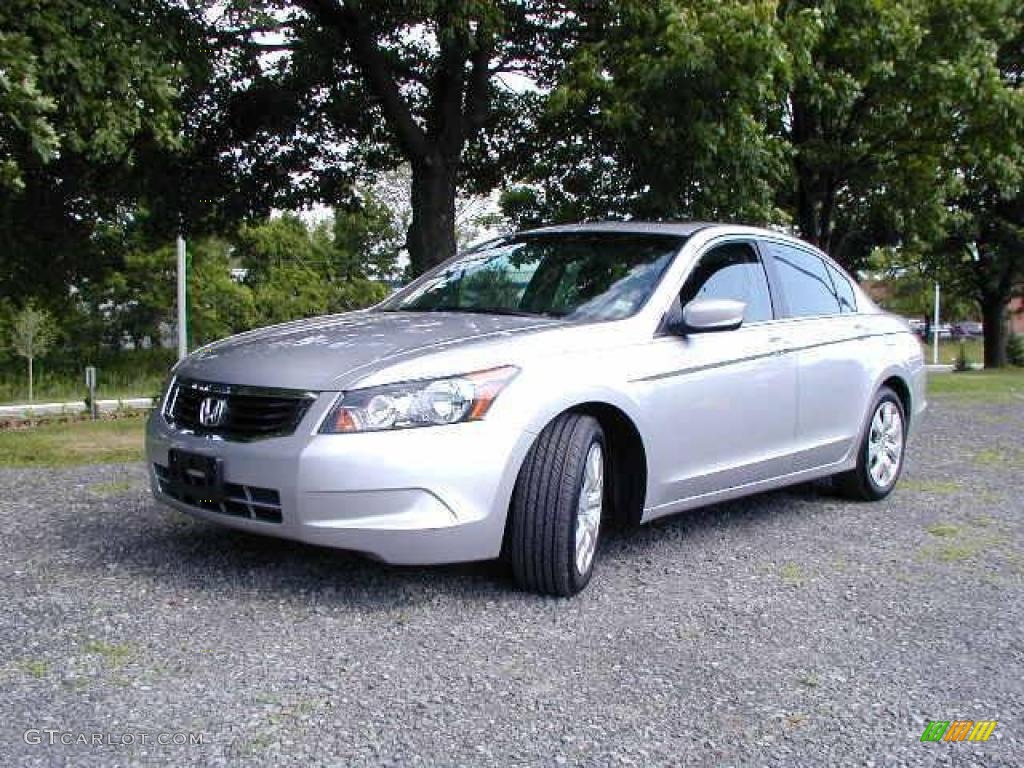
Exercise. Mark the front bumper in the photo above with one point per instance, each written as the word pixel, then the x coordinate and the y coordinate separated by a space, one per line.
pixel 415 496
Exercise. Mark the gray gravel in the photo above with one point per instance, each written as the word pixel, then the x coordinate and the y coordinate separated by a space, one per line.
pixel 789 629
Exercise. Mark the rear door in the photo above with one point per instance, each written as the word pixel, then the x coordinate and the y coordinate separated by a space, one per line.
pixel 825 333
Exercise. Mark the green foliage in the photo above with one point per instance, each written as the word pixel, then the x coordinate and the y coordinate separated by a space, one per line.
pixel 368 238
pixel 869 117
pixel 962 362
pixel 910 286
pixel 357 88
pixel 33 331
pixel 980 248
pixel 1015 350
pixel 120 373
pixel 24 126
pixel 85 89
pixel 668 109
pixel 219 305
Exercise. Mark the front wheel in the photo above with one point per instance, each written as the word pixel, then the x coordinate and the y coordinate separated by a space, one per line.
pixel 880 457
pixel 557 506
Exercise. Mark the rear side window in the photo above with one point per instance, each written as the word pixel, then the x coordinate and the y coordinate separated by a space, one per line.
pixel 844 291
pixel 731 271
pixel 805 281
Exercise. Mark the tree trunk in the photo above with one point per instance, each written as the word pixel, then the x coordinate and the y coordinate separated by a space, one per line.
pixel 993 316
pixel 431 235
pixel 30 392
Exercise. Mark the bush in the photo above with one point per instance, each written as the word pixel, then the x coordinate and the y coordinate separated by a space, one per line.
pixel 1015 350
pixel 962 362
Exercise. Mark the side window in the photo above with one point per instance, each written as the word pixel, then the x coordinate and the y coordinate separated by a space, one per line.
pixel 844 291
pixel 731 271
pixel 805 281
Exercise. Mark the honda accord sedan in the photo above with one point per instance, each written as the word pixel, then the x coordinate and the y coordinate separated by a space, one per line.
pixel 522 397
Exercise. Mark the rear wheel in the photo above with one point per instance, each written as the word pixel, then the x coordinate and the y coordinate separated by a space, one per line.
pixel 557 506
pixel 880 457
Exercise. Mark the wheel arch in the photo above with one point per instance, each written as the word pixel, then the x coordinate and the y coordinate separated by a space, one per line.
pixel 901 387
pixel 626 452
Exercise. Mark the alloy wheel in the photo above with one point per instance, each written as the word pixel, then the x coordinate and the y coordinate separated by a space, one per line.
pixel 588 510
pixel 885 444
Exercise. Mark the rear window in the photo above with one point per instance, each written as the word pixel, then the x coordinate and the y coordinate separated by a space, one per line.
pixel 805 281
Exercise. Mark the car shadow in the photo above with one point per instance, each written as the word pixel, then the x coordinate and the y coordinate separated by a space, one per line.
pixel 168 547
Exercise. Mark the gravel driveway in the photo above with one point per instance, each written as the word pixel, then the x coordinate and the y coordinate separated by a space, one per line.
pixel 789 629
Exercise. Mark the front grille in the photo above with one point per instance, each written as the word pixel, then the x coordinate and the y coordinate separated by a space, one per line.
pixel 248 501
pixel 249 413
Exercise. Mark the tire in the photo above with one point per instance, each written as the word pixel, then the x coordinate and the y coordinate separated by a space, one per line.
pixel 869 481
pixel 551 517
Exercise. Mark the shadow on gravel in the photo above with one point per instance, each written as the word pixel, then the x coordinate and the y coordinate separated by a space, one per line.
pixel 749 512
pixel 173 549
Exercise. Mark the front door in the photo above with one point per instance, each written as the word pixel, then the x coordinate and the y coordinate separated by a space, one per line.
pixel 722 404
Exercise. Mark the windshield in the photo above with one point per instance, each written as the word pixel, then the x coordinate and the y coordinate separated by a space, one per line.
pixel 584 276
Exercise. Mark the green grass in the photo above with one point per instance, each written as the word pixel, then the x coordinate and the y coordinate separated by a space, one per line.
pixel 943 530
pixel 1006 385
pixel 37 668
pixel 137 373
pixel 62 390
pixel 949 351
pixel 112 488
pixel 937 487
pixel 999 458
pixel 792 574
pixel 75 442
pixel 115 654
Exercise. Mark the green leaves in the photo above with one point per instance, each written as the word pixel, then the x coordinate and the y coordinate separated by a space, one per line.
pixel 33 331
pixel 667 109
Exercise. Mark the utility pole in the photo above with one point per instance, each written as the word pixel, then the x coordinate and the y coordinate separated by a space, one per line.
pixel 935 328
pixel 182 301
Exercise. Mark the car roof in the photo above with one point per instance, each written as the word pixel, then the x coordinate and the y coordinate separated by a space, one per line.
pixel 676 228
pixel 681 228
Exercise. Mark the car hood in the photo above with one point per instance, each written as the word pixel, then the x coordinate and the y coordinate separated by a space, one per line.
pixel 316 353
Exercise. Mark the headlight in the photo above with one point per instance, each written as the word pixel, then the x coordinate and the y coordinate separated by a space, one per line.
pixel 418 403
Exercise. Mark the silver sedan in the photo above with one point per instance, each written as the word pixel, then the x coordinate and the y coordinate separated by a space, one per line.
pixel 523 396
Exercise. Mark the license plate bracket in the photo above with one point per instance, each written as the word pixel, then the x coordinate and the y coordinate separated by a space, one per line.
pixel 196 478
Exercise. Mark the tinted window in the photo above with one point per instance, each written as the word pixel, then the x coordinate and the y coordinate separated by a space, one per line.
pixel 805 281
pixel 731 271
pixel 587 276
pixel 844 291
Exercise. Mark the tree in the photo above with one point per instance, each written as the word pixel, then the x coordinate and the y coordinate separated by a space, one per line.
pixel 86 89
pixel 666 109
pixel 416 83
pixel 867 119
pixel 32 334
pixel 980 252
pixel 24 110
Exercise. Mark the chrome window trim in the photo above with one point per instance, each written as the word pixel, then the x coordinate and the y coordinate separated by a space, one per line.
pixel 714 242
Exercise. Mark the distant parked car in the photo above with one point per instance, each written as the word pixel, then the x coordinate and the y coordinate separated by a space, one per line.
pixel 967 329
pixel 523 394
pixel 917 325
